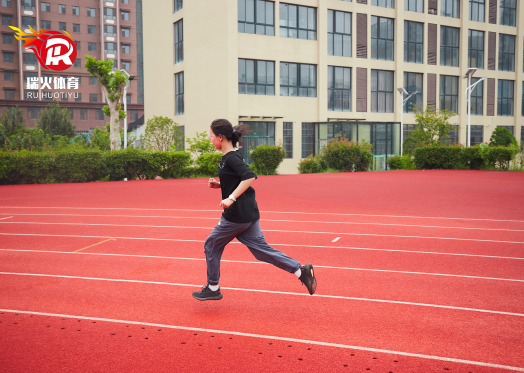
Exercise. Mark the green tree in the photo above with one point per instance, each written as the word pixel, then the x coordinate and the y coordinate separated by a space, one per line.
pixel 12 120
pixel 431 128
pixel 200 145
pixel 502 137
pixel 113 83
pixel 55 121
pixel 162 134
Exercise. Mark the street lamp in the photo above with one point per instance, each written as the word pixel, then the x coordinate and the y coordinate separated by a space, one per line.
pixel 403 92
pixel 131 77
pixel 470 88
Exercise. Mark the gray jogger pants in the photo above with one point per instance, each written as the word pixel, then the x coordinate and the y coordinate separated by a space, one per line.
pixel 250 235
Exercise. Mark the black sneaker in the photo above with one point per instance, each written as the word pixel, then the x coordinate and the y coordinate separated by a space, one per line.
pixel 207 294
pixel 307 277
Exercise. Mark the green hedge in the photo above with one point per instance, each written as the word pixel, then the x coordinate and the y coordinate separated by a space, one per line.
pixel 400 163
pixel 208 163
pixel 477 157
pixel 343 155
pixel 310 165
pixel 267 158
pixel 81 166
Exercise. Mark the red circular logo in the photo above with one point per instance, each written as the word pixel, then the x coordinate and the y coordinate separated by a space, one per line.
pixel 58 53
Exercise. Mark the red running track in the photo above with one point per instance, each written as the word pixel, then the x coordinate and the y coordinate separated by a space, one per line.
pixel 425 274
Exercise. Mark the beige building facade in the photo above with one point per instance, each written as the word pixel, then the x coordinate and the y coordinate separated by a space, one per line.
pixel 303 71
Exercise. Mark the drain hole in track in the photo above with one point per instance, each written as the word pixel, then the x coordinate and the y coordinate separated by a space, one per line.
pixel 230 338
pixel 300 358
pixel 78 330
pixel 368 369
pixel 16 323
pixel 195 334
pixel 289 345
pixel 63 328
pixel 395 361
pixel 112 333
pixel 159 330
pixel 94 322
pixel 128 336
pixel 352 354
pixel 146 338
pixel 346 365
pixel 220 348
pixel 446 368
pixel 183 343
pixel 260 353
pixel 143 328
pixel 374 358
pixel 309 348
pixel 212 336
pixel 279 355
pixel 200 345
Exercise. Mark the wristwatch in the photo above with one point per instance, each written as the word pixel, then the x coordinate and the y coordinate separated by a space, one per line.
pixel 231 197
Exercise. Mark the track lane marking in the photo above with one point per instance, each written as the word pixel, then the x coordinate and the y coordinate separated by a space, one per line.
pixel 284 220
pixel 7 218
pixel 336 239
pixel 271 337
pixel 249 262
pixel 271 244
pixel 271 292
pixel 87 247
pixel 265 230
pixel 273 212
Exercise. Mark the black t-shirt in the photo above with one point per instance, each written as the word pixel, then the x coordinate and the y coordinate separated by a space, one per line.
pixel 231 171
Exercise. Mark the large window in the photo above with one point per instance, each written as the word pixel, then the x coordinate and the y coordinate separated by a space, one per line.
pixel 110 13
pixel 177 5
pixel 124 15
pixel 256 77
pixel 288 139
pixel 382 38
pixel 9 76
pixel 508 12
pixel 505 98
pixel 109 30
pixel 506 52
pixel 413 42
pixel 308 139
pixel 384 3
pixel 449 46
pixel 33 112
pixel 413 82
pixel 449 93
pixel 260 133
pixel 76 10
pixel 453 137
pixel 298 79
pixel 179 93
pixel 477 95
pixel 9 94
pixel 179 41
pixel 91 12
pixel 8 56
pixel 62 9
pixel 476 135
pixel 45 7
pixel 125 32
pixel 62 26
pixel 30 59
pixel 298 21
pixel 110 47
pixel 7 38
pixel 382 87
pixel 91 29
pixel 28 21
pixel 450 8
pixel 414 5
pixel 339 88
pixel 522 112
pixel 477 10
pixel 256 17
pixel 7 21
pixel 28 4
pixel 339 33
pixel 476 49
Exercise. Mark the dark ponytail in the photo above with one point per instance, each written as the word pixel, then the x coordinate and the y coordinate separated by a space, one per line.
pixel 225 128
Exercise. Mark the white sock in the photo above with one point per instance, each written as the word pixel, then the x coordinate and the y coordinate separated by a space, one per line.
pixel 298 272
pixel 213 287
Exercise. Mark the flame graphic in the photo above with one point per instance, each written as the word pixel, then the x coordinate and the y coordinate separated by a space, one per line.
pixel 36 39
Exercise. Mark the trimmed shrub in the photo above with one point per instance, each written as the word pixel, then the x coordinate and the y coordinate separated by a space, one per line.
pixel 438 157
pixel 502 156
pixel 400 163
pixel 208 163
pixel 90 165
pixel 344 155
pixel 267 158
pixel 502 137
pixel 309 165
pixel 472 158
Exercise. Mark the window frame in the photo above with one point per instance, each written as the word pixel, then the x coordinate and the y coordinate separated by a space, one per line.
pixel 45 7
pixel 387 3
pixel 62 9
pixel 506 59
pixel 287 136
pixel 177 5
pixel 477 4
pixel 125 15
pixel 505 104
pixel 91 12
pixel 418 45
pixel 415 100
pixel 448 51
pixel 333 34
pixel 507 14
pixel 477 97
pixel 179 93
pixel 454 105
pixel 476 51
pixel 345 93
pixel 256 84
pixel 418 5
pixel 248 25
pixel 376 92
pixel 388 42
pixel 299 87
pixel 310 33
pixel 179 41
pixel 454 11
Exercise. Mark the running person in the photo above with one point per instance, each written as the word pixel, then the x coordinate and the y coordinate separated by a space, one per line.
pixel 241 218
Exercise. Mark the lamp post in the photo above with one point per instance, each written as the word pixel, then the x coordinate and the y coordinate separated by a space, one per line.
pixel 470 88
pixel 403 92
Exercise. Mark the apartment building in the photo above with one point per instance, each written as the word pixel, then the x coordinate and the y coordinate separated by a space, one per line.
pixel 301 72
pixel 102 29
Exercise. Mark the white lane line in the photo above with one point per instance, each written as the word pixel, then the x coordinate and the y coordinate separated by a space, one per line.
pixel 265 230
pixel 280 220
pixel 271 337
pixel 249 262
pixel 7 218
pixel 271 244
pixel 336 239
pixel 271 292
pixel 273 212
